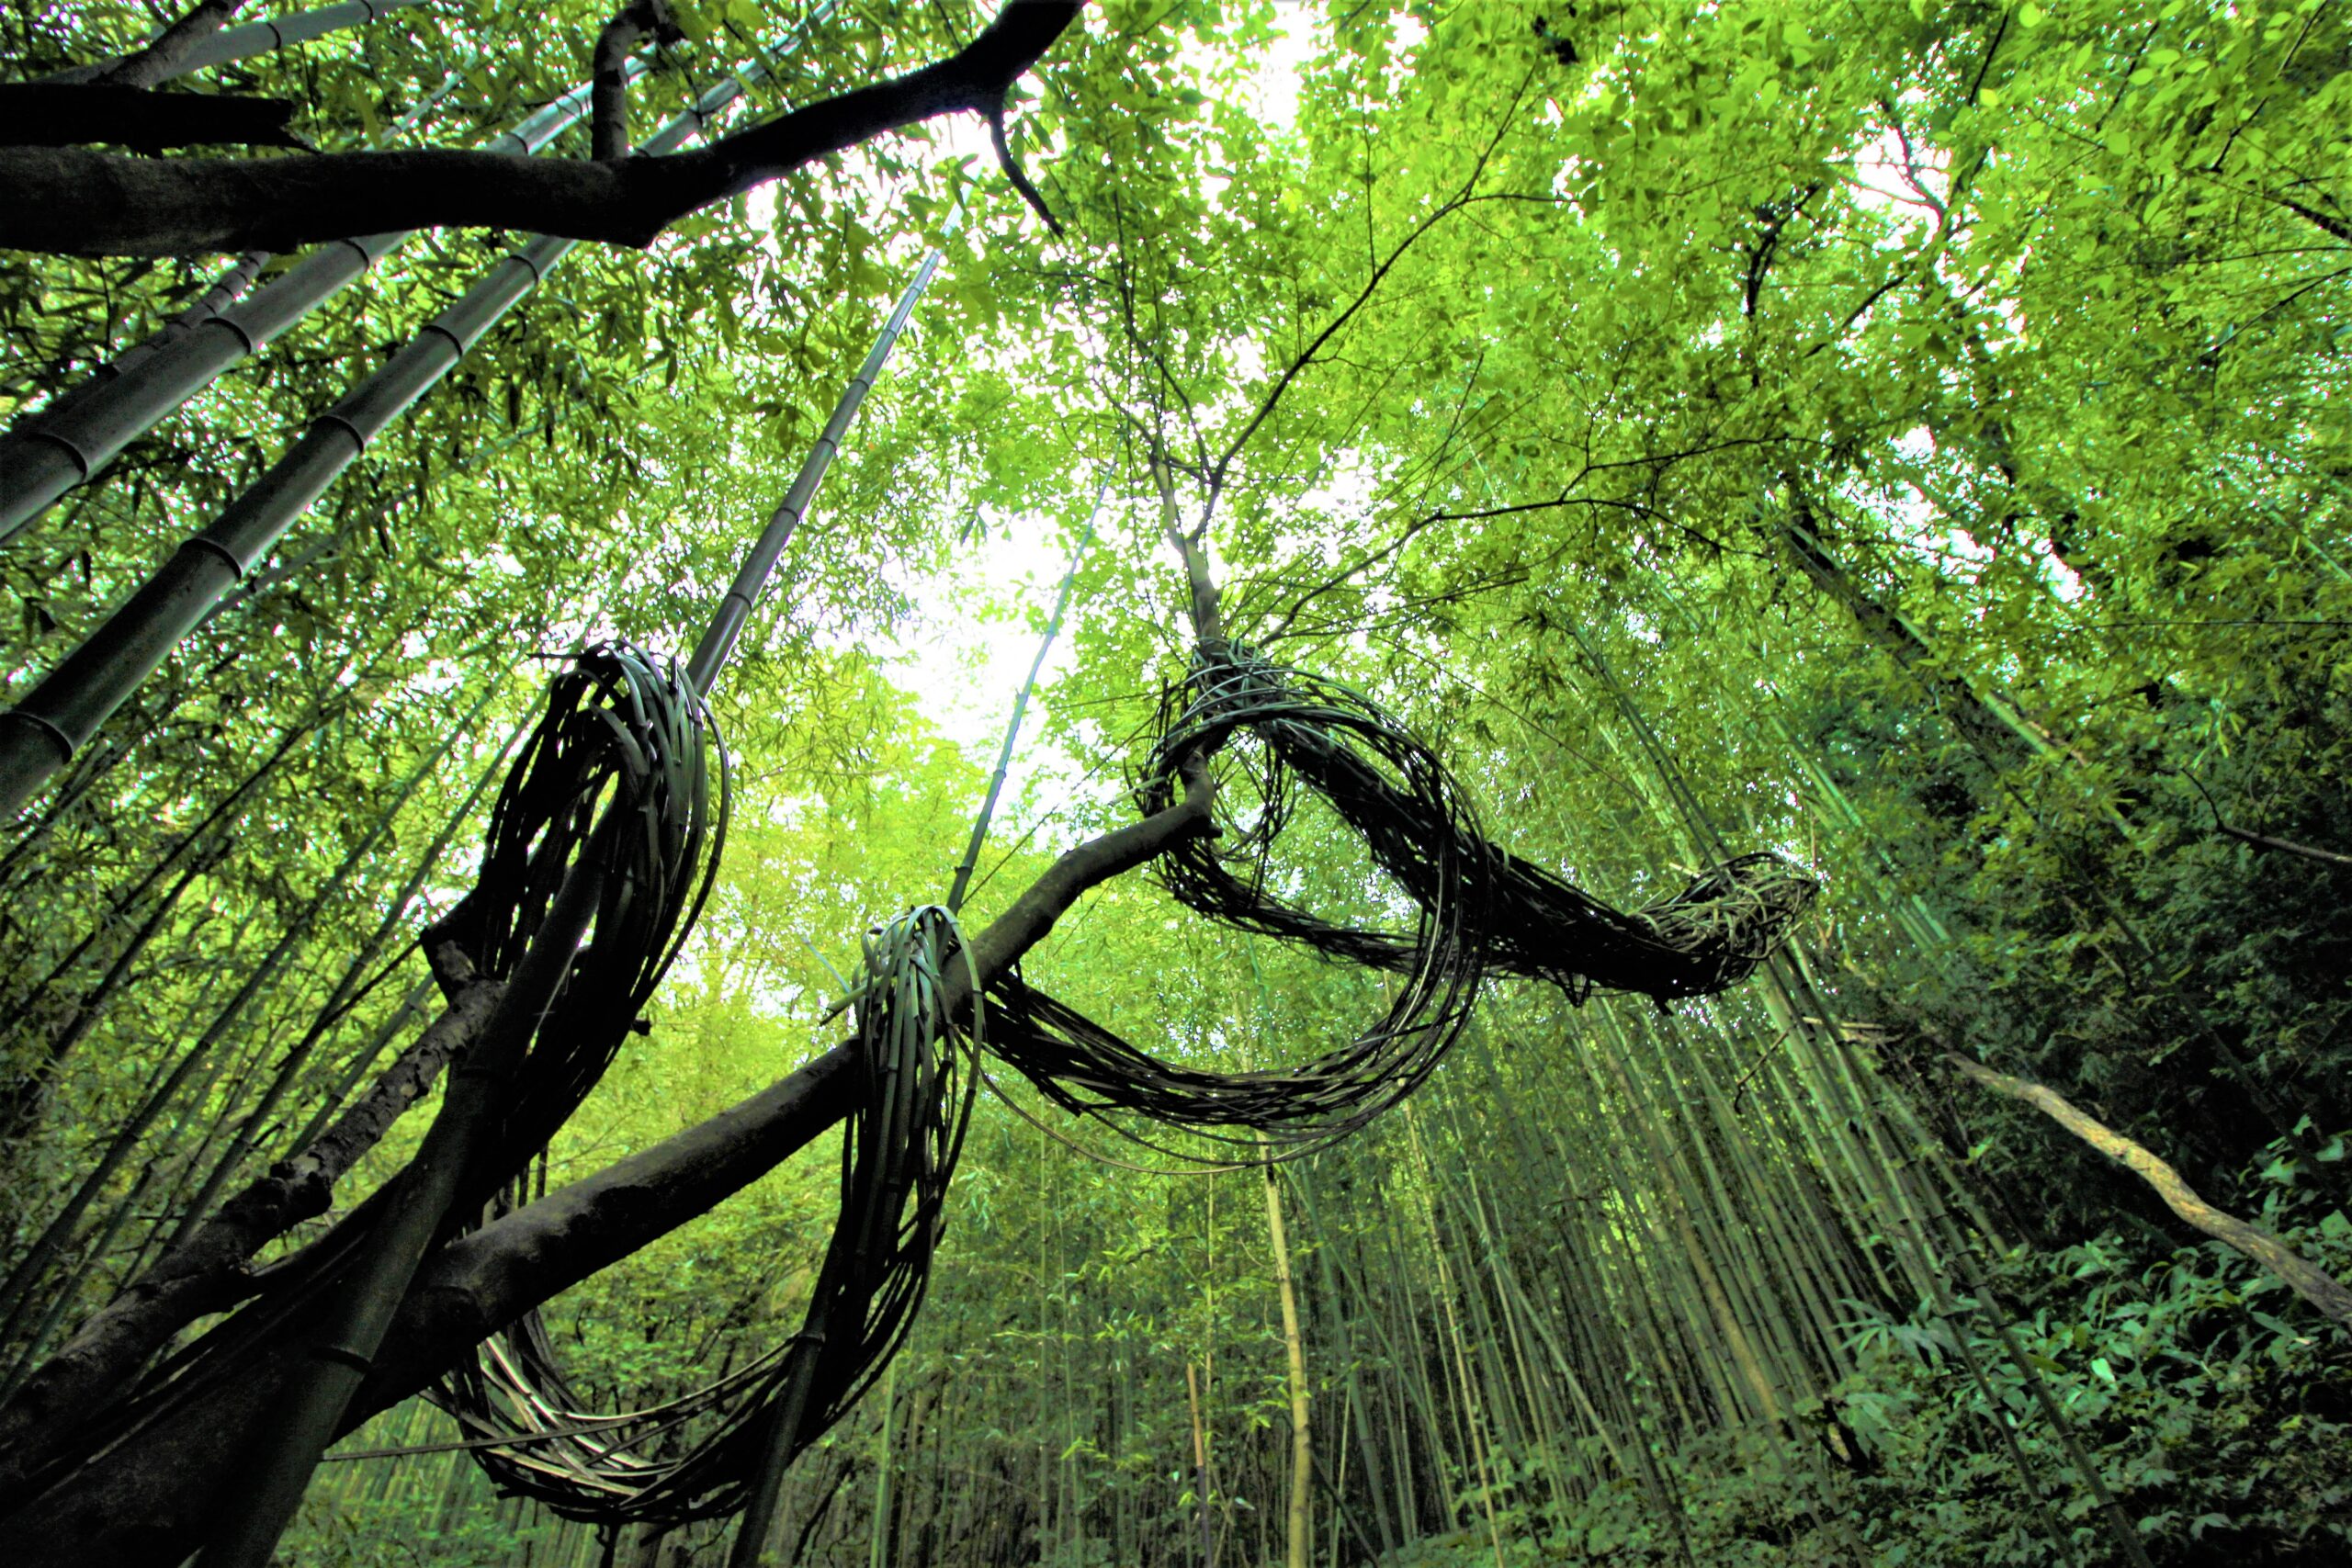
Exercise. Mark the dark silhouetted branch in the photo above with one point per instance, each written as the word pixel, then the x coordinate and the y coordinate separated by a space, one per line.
pixel 72 201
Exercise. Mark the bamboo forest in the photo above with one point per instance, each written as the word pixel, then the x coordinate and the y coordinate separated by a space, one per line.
pixel 1176 784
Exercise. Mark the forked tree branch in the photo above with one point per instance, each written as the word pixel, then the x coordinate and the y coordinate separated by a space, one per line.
pixel 149 1496
pixel 72 201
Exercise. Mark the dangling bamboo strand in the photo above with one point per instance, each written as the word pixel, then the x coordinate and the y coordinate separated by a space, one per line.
pixel 964 868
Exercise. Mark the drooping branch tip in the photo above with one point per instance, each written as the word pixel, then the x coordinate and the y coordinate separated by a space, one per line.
pixel 1015 173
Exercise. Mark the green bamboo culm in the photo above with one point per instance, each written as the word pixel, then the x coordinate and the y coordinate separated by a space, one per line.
pixel 1020 706
pixel 224 46
pixel 778 1441
pixel 61 714
pixel 66 444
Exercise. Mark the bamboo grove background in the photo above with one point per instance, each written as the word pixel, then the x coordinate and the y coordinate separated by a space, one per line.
pixel 1908 438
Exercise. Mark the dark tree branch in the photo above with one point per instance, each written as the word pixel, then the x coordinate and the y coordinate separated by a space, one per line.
pixel 608 80
pixel 1016 174
pixel 71 201
pixel 2262 841
pixel 2326 224
pixel 41 114
pixel 158 59
pixel 1777 216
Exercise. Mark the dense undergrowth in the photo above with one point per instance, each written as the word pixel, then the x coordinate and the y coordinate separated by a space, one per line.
pixel 2217 1410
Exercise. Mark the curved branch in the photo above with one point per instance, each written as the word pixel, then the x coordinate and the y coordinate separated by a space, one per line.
pixel 44 114
pixel 71 201
pixel 2306 1278
pixel 1017 175
pixel 609 77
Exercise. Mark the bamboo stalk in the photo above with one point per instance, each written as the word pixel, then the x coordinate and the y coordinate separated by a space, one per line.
pixel 66 446
pixel 971 860
pixel 1298 1519
pixel 65 710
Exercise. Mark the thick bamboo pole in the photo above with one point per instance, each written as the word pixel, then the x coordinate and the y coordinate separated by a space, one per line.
pixel 63 447
pixel 246 40
pixel 60 714
pixel 759 563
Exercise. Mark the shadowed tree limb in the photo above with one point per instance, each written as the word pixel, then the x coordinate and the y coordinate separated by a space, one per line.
pixel 43 114
pixel 1015 174
pixel 71 201
pixel 2262 841
pixel 2287 846
pixel 608 81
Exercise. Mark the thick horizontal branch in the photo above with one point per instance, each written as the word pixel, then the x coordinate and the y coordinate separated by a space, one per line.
pixel 73 202
pixel 40 114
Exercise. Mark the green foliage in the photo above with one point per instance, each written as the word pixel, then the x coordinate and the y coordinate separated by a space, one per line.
pixel 2217 1412
pixel 1904 436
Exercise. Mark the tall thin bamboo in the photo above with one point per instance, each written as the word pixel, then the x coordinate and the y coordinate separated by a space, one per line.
pixel 711 655
pixel 15 1290
pixel 963 879
pixel 55 451
pixel 331 1011
pixel 60 714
